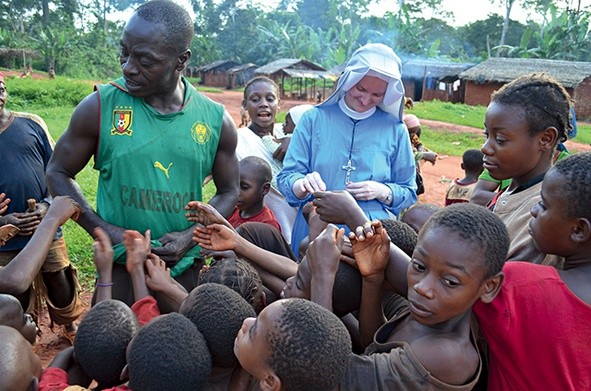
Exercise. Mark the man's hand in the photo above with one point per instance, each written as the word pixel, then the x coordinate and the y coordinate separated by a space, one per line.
pixel 174 246
pixel 371 247
pixel 26 222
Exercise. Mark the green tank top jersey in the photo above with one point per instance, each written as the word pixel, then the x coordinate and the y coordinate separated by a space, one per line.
pixel 151 164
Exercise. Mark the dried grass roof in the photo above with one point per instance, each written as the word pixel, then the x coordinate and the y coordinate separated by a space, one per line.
pixel 503 70
pixel 285 63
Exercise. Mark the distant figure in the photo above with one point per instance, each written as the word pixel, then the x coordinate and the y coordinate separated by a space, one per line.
pixel 318 97
pixel 243 117
pixel 51 73
pixel 461 189
pixel 26 72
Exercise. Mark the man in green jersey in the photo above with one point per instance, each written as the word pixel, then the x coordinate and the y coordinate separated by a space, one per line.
pixel 154 139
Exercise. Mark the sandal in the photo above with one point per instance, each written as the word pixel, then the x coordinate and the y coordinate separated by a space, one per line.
pixel 7 232
pixel 70 335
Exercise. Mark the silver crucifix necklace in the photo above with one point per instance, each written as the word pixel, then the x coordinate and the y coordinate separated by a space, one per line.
pixel 349 166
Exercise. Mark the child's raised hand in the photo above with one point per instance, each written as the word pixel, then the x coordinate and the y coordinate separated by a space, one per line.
pixel 216 237
pixel 137 247
pixel 103 253
pixel 206 214
pixel 157 274
pixel 337 207
pixel 371 247
pixel 324 252
pixel 64 208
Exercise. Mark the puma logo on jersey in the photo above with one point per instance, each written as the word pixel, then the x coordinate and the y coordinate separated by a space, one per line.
pixel 159 166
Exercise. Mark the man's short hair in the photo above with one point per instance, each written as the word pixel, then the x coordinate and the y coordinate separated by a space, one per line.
pixel 176 20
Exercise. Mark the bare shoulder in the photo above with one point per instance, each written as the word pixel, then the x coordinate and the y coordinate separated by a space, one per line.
pixel 451 358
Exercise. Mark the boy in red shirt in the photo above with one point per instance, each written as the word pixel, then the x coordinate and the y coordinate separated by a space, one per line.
pixel 255 183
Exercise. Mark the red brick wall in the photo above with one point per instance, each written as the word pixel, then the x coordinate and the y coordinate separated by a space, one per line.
pixel 479 94
pixel 435 94
pixel 582 97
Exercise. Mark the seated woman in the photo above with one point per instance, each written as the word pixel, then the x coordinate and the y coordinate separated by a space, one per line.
pixel 354 141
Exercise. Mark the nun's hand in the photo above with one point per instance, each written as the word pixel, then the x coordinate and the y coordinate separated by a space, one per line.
pixel 368 190
pixel 309 184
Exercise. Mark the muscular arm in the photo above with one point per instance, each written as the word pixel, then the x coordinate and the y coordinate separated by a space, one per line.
pixel 225 169
pixel 72 152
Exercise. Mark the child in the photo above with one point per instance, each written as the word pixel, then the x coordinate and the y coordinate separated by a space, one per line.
pixel 294 344
pixel 99 349
pixel 218 313
pixel 291 121
pixel 460 190
pixel 457 261
pixel 17 276
pixel 168 353
pixel 524 122
pixel 102 339
pixel 239 275
pixel 538 328
pixel 262 103
pixel 20 368
pixel 11 314
pixel 255 183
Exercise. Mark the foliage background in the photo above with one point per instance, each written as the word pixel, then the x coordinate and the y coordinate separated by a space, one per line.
pixel 78 40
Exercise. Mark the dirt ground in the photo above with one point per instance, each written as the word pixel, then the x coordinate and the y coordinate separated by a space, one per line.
pixel 436 177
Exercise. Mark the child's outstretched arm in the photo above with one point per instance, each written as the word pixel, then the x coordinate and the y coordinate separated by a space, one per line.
pixel 158 279
pixel 103 260
pixel 18 275
pixel 371 247
pixel 323 256
pixel 206 214
pixel 219 238
pixel 339 207
pixel 138 248
pixel 72 372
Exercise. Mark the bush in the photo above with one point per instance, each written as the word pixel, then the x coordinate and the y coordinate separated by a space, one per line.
pixel 28 93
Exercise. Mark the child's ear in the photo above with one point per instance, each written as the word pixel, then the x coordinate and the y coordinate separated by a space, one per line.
pixel 266 188
pixel 549 138
pixel 462 165
pixel 270 383
pixel 492 286
pixel 582 231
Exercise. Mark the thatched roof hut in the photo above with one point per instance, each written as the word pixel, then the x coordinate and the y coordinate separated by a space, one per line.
pixel 215 74
pixel 492 74
pixel 301 73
